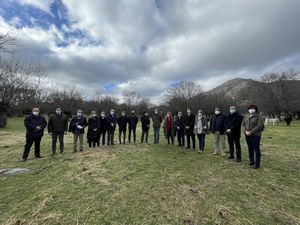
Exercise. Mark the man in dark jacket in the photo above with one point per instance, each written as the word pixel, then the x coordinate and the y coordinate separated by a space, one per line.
pixel 179 125
pixel 112 122
pixel 93 129
pixel 77 125
pixel 288 119
pixel 156 122
pixel 58 127
pixel 145 127
pixel 132 122
pixel 35 125
pixel 103 128
pixel 189 123
pixel 233 130
pixel 217 127
pixel 122 123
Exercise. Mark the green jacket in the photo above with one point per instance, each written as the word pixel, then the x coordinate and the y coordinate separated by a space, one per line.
pixel 156 120
pixel 253 123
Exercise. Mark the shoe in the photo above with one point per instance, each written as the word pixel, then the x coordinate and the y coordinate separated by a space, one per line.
pixel 39 157
pixel 215 153
pixel 187 147
pixel 23 160
pixel 255 166
pixel 251 163
pixel 238 160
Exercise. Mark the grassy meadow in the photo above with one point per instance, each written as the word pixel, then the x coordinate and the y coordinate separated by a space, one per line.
pixel 150 184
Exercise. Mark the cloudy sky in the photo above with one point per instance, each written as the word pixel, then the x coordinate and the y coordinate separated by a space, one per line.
pixel 114 46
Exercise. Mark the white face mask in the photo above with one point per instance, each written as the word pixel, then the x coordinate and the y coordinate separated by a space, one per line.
pixel 251 111
pixel 103 115
pixel 217 112
pixel 188 112
pixel 200 114
pixel 79 114
pixel 232 111
pixel 155 112
pixel 35 113
pixel 94 115
pixel 112 112
pixel 123 114
pixel 58 112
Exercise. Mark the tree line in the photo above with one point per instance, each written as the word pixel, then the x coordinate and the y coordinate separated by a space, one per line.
pixel 21 89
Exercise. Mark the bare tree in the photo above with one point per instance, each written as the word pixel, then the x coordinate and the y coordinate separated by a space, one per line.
pixel 180 95
pixel 7 41
pixel 19 85
pixel 132 98
pixel 278 90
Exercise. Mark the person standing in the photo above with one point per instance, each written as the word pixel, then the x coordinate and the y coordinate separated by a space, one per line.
pixel 233 130
pixel 189 123
pixel 252 127
pixel 156 121
pixel 145 127
pixel 122 123
pixel 169 128
pixel 132 121
pixel 112 122
pixel 77 125
pixel 35 125
pixel 179 126
pixel 103 128
pixel 200 129
pixel 57 128
pixel 217 127
pixel 93 129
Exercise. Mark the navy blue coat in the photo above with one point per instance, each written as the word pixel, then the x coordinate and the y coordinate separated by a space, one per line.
pixel 234 122
pixel 31 122
pixel 112 119
pixel 77 121
pixel 179 122
pixel 217 123
pixel 132 121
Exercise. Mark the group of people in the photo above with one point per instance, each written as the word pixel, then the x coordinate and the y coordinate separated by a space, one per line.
pixel 186 127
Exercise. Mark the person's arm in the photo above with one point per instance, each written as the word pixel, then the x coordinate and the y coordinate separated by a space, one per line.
pixel 28 124
pixel 50 125
pixel 71 126
pixel 243 125
pixel 259 126
pixel 66 124
pixel 44 123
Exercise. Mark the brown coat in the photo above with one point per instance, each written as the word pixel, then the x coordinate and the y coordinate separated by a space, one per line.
pixel 253 123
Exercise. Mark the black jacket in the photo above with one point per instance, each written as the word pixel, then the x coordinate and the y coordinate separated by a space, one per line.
pixel 31 122
pixel 145 123
pixel 132 121
pixel 122 123
pixel 77 121
pixel 112 119
pixel 234 122
pixel 93 123
pixel 217 123
pixel 103 125
pixel 57 124
pixel 190 122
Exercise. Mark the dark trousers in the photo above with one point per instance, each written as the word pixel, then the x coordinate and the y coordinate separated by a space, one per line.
pixel 61 142
pixel 144 133
pixel 101 136
pixel 188 140
pixel 234 140
pixel 29 143
pixel 120 136
pixel 92 142
pixel 133 130
pixel 180 137
pixel 170 136
pixel 201 140
pixel 253 143
pixel 110 136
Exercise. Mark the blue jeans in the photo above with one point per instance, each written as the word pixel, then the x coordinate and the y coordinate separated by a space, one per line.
pixel 253 143
pixel 201 139
pixel 156 134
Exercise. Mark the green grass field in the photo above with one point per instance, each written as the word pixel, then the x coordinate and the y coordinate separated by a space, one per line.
pixel 151 184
